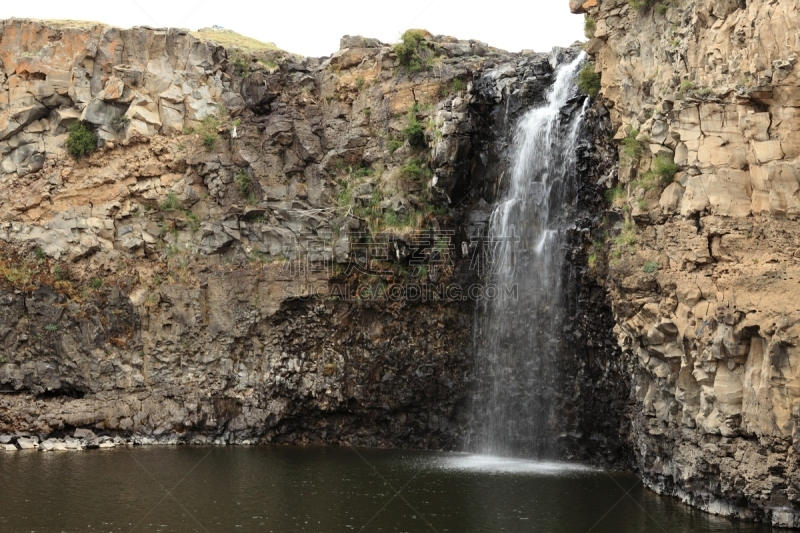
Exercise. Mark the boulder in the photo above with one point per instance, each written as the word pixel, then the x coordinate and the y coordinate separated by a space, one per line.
pixel 357 41
pixel 576 6
pixel 28 443
pixel 670 200
pixel 113 90
pixel 73 443
pixel 88 437
pixel 99 112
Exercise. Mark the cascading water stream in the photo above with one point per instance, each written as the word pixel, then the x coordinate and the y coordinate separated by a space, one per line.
pixel 518 339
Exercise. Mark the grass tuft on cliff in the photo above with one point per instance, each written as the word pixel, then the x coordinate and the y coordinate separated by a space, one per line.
pixel 231 39
pixel 589 26
pixel 632 149
pixel 662 172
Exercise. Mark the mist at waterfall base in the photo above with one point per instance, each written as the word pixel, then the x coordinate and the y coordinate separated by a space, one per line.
pixel 517 341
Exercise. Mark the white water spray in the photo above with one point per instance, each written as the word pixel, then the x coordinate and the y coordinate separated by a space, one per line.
pixel 518 341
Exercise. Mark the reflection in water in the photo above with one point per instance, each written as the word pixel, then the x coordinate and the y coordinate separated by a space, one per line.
pixel 292 489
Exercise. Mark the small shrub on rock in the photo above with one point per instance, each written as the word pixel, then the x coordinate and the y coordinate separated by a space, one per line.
pixel 415 170
pixel 392 145
pixel 616 195
pixel 589 80
pixel 414 132
pixel 665 168
pixel 208 132
pixel 413 52
pixel 662 171
pixel 119 122
pixel 171 202
pixel 631 149
pixel 81 142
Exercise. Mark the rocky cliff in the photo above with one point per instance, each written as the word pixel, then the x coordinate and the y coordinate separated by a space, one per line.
pixel 210 272
pixel 265 247
pixel 704 251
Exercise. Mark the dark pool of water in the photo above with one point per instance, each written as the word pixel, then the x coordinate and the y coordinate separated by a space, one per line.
pixel 294 489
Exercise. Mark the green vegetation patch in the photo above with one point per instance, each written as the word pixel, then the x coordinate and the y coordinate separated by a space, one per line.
pixel 615 195
pixel 81 142
pixel 632 149
pixel 589 26
pixel 171 202
pixel 413 52
pixel 650 267
pixel 661 173
pixel 414 132
pixel 589 80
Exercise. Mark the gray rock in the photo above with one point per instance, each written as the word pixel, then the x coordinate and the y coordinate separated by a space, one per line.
pixel 7 439
pixel 259 90
pixel 357 41
pixel 25 443
pixel 73 444
pixel 88 437
pixel 21 117
pixel 215 239
pixel 99 112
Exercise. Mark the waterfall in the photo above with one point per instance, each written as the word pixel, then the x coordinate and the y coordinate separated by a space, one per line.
pixel 518 339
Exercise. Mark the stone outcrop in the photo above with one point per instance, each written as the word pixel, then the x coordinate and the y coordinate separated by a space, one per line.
pixel 703 274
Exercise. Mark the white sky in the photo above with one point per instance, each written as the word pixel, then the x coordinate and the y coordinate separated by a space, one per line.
pixel 313 27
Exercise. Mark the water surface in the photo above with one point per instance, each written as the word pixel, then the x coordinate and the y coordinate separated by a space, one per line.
pixel 317 489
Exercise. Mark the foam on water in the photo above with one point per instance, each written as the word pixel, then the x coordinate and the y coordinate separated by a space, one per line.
pixel 507 465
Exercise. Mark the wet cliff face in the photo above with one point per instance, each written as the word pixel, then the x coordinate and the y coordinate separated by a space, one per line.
pixel 703 273
pixel 591 391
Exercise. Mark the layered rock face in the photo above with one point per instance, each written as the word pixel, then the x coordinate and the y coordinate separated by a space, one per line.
pixel 703 276
pixel 209 272
pixel 218 269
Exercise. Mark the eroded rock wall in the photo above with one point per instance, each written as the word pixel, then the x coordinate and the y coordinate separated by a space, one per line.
pixel 207 273
pixel 704 274
pixel 210 272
